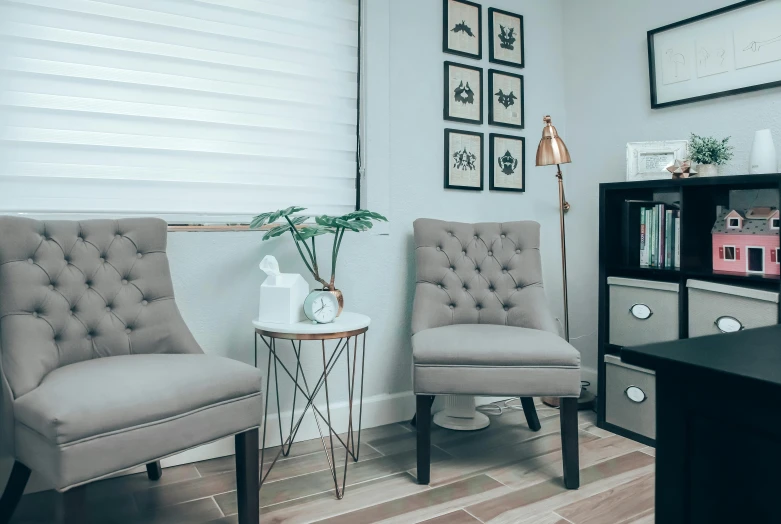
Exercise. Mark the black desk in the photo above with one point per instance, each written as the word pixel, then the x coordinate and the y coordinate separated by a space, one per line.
pixel 718 426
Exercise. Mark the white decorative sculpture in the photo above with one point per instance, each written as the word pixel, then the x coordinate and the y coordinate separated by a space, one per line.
pixel 763 154
pixel 282 295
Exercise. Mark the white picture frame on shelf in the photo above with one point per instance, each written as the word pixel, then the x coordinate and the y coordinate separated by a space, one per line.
pixel 650 160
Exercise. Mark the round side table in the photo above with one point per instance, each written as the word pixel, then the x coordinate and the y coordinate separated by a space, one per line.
pixel 345 330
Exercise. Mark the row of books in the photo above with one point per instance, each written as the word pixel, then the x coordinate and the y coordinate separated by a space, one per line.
pixel 660 236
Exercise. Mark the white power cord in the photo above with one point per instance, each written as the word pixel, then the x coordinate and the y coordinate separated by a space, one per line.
pixel 495 409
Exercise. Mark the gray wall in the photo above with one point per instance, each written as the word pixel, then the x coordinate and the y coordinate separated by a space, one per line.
pixel 607 100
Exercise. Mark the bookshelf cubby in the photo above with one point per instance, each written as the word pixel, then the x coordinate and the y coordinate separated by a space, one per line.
pixel 698 200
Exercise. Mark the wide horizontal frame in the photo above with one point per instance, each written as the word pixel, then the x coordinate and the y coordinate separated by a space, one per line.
pixel 652 60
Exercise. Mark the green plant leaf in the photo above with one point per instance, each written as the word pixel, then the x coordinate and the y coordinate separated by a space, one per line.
pixel 271 217
pixel 364 214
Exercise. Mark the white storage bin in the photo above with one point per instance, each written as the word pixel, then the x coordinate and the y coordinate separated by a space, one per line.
pixel 642 311
pixel 718 308
pixel 630 397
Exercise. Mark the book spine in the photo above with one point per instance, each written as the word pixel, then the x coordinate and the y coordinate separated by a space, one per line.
pixel 668 227
pixel 643 261
pixel 660 215
pixel 677 239
pixel 655 237
pixel 654 243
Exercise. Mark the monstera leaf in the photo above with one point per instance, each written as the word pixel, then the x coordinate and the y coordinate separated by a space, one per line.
pixel 269 218
pixel 364 214
pixel 284 228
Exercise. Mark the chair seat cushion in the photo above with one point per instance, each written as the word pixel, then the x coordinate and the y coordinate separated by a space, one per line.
pixel 485 359
pixel 141 407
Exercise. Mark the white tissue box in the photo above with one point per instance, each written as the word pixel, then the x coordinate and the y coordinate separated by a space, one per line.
pixel 283 301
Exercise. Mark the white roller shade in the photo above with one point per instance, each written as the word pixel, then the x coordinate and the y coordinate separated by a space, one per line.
pixel 195 110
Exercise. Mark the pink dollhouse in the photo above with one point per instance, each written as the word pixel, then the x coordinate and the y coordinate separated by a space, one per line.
pixel 747 242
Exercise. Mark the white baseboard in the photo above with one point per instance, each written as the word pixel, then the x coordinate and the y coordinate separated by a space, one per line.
pixel 377 411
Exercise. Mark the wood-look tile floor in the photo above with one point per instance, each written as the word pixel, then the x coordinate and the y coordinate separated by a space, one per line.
pixel 503 474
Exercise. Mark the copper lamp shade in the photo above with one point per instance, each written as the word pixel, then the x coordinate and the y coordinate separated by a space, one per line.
pixel 552 149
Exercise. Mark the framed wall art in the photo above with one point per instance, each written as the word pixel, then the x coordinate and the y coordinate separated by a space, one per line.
pixel 507 157
pixel 462 32
pixel 463 96
pixel 505 107
pixel 463 160
pixel 724 52
pixel 650 160
pixel 505 32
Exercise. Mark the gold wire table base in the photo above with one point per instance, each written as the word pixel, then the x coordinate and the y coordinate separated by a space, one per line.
pixel 342 347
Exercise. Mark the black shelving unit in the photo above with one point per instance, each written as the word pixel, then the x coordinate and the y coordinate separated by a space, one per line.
pixel 698 199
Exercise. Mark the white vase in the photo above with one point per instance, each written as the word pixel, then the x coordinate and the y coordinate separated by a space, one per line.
pixel 763 154
pixel 707 170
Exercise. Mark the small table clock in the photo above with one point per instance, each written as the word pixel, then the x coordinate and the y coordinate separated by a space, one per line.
pixel 321 307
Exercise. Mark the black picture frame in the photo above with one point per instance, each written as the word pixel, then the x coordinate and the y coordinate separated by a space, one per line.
pixel 492 169
pixel 655 104
pixel 446 30
pixel 448 159
pixel 491 95
pixel 492 39
pixel 447 94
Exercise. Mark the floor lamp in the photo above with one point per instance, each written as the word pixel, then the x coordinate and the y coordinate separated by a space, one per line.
pixel 552 151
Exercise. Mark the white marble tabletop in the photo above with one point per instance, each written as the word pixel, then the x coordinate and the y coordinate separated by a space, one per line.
pixel 347 321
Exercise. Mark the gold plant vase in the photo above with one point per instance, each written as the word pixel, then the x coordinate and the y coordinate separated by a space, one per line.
pixel 339 299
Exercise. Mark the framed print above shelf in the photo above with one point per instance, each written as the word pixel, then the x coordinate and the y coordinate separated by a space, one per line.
pixel 463 160
pixel 507 157
pixel 729 51
pixel 462 28
pixel 505 38
pixel 463 93
pixel 506 107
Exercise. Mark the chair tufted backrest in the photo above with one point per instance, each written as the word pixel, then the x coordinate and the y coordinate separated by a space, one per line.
pixel 74 291
pixel 486 273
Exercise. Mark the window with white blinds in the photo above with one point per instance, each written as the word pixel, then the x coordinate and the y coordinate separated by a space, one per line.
pixel 194 110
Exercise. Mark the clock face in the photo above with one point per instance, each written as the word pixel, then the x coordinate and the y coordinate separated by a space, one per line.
pixel 322 307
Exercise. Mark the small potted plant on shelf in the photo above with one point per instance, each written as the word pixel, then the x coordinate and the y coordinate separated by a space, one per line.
pixel 304 232
pixel 709 153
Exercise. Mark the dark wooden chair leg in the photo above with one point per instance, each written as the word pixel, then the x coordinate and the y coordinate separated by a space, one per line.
pixel 72 508
pixel 423 415
pixel 154 470
pixel 413 422
pixel 569 442
pixel 248 477
pixel 14 490
pixel 531 413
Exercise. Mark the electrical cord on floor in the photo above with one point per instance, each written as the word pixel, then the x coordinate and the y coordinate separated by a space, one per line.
pixel 498 407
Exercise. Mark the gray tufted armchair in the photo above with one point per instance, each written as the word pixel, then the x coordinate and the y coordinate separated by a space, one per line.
pixel 481 326
pixel 98 372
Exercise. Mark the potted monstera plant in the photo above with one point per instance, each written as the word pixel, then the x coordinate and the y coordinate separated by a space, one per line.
pixel 304 231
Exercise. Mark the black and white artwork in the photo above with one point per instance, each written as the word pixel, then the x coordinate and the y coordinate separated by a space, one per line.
pixel 507 156
pixel 463 100
pixel 505 38
pixel 462 28
pixel 732 50
pixel 505 107
pixel 463 160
